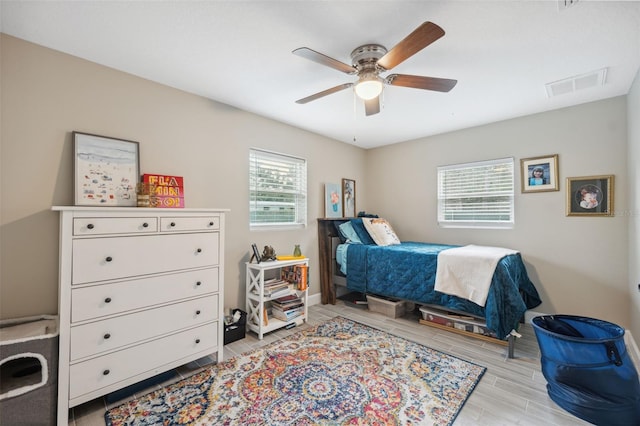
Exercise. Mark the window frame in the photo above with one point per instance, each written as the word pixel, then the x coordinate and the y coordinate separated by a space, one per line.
pixel 299 190
pixel 509 193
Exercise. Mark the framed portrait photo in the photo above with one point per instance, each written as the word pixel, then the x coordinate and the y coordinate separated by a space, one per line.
pixel 107 170
pixel 590 196
pixel 348 198
pixel 539 174
pixel 332 200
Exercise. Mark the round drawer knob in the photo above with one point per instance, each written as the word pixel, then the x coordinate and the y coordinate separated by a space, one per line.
pixel 199 250
pixel 145 225
pixel 197 341
pixel 106 372
pixel 107 300
pixel 210 223
pixel 90 226
pixel 198 312
pixel 107 336
pixel 172 224
pixel 109 259
pixel 198 283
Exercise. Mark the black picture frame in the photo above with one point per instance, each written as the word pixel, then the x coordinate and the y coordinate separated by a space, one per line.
pixel 256 252
pixel 348 198
pixel 106 170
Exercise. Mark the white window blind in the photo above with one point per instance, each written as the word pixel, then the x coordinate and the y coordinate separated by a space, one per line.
pixel 476 194
pixel 277 190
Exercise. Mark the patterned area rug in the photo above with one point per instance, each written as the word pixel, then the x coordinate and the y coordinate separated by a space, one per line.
pixel 339 373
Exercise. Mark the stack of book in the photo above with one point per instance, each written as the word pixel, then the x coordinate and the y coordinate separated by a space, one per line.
pixel 296 274
pixel 287 308
pixel 275 288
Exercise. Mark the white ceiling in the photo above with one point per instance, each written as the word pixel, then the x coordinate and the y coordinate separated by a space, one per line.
pixel 239 53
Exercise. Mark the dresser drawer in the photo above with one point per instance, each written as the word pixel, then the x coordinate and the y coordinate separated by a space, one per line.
pixel 93 338
pixel 114 225
pixel 99 259
pixel 172 224
pixel 97 373
pixel 114 298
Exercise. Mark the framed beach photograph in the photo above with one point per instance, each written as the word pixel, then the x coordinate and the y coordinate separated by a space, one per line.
pixel 590 196
pixel 332 200
pixel 348 198
pixel 539 174
pixel 107 170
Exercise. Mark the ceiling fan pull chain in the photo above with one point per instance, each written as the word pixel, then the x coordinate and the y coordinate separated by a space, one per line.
pixel 355 106
pixel 355 115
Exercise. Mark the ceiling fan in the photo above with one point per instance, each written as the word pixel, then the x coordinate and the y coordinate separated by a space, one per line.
pixel 371 60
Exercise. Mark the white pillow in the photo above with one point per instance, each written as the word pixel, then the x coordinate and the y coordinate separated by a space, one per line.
pixel 381 231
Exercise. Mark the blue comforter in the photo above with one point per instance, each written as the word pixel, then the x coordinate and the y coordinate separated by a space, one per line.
pixel 407 271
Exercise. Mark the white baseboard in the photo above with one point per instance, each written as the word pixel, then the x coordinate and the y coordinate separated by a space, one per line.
pixel 632 348
pixel 529 315
pixel 314 299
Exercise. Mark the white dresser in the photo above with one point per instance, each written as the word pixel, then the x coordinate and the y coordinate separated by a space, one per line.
pixel 140 292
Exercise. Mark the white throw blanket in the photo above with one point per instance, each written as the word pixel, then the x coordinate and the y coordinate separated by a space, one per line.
pixel 467 271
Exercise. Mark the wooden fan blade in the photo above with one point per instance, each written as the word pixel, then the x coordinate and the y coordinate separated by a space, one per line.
pixel 318 57
pixel 324 93
pixel 372 106
pixel 420 82
pixel 420 38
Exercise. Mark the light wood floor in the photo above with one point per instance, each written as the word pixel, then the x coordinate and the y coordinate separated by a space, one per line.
pixel 512 391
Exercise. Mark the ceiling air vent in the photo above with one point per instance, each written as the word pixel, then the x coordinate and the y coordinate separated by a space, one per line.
pixel 578 82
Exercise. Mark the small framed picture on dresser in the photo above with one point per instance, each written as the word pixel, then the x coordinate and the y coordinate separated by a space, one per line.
pixel 107 170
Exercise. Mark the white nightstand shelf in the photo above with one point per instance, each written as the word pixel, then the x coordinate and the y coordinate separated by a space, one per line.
pixel 258 319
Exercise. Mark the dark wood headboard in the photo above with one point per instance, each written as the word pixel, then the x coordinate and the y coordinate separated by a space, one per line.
pixel 327 231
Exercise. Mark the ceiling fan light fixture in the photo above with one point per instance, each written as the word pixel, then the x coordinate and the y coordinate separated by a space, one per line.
pixel 370 60
pixel 368 87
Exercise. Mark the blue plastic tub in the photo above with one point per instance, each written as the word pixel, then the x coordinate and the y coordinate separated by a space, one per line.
pixel 588 370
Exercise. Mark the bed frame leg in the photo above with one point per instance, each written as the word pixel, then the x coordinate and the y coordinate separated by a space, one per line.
pixel 512 345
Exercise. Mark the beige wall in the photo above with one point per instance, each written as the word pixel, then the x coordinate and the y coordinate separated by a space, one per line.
pixel 633 160
pixel 45 95
pixel 579 264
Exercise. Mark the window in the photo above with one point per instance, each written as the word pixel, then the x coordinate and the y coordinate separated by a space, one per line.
pixel 476 195
pixel 277 190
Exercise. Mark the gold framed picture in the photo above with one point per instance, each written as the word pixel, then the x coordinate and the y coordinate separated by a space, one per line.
pixel 590 196
pixel 539 174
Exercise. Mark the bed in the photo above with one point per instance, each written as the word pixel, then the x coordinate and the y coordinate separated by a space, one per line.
pixel 407 271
